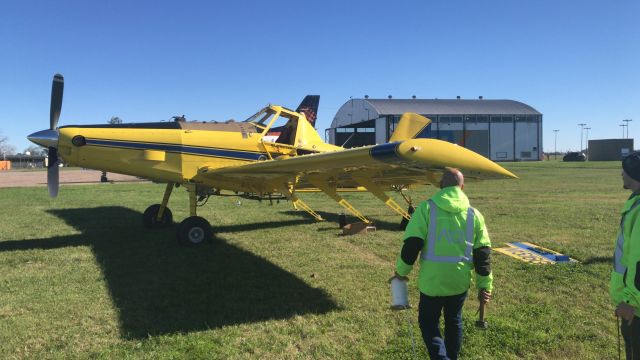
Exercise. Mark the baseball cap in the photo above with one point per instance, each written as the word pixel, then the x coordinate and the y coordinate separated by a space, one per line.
pixel 631 165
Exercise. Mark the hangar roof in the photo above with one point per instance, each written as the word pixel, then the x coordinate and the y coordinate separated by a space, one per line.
pixel 450 106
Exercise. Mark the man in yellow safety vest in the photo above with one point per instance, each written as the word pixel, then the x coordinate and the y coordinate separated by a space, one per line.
pixel 453 241
pixel 625 277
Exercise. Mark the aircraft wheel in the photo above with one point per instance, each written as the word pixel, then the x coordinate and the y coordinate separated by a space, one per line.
pixel 149 218
pixel 194 230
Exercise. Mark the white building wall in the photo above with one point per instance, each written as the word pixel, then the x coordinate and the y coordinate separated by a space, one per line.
pixel 356 111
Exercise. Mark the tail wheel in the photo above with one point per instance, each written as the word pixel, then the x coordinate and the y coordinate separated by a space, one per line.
pixel 150 217
pixel 194 230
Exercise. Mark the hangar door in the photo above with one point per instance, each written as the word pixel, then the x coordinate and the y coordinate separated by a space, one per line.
pixel 501 138
pixel 527 134
pixel 476 134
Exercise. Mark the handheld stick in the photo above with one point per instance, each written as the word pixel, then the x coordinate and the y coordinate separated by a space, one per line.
pixel 481 323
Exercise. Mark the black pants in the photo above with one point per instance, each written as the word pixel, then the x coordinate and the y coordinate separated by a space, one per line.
pixel 631 335
pixel 429 312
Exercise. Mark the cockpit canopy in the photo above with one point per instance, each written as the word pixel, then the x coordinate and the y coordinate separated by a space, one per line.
pixel 286 127
pixel 277 124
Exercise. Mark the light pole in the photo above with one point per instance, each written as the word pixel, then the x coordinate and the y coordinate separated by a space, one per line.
pixel 581 130
pixel 627 121
pixel 623 125
pixel 555 144
pixel 586 142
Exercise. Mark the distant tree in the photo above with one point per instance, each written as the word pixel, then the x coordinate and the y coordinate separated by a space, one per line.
pixel 35 150
pixel 5 147
pixel 113 120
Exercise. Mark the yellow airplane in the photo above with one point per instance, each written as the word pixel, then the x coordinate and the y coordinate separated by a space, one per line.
pixel 254 158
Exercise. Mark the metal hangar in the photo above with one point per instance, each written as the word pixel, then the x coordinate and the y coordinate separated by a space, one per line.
pixel 502 130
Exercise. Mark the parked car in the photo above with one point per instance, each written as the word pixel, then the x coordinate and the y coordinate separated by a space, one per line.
pixel 574 156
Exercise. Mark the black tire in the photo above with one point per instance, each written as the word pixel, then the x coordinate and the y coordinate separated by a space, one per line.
pixel 193 231
pixel 149 218
pixel 342 220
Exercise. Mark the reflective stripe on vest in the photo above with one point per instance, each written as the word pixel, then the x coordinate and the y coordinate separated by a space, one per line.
pixel 617 254
pixel 430 255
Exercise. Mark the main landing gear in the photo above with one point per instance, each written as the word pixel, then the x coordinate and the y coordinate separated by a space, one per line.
pixel 152 218
pixel 193 230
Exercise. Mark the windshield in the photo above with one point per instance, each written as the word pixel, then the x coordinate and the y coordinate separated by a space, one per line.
pixel 261 118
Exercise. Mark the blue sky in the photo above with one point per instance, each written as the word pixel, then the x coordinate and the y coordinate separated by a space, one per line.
pixel 574 61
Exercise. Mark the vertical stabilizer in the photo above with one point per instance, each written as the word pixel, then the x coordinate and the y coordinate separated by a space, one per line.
pixel 409 126
pixel 309 107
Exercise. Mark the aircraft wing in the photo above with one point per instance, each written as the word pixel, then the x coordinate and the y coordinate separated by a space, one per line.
pixel 414 161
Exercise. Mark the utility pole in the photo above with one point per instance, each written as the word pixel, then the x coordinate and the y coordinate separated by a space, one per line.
pixel 623 125
pixel 627 121
pixel 587 142
pixel 582 125
pixel 555 144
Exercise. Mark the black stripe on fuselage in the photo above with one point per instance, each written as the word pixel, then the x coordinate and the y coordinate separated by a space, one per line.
pixel 184 149
pixel 171 125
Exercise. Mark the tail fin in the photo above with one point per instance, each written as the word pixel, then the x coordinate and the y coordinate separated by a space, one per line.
pixel 309 107
pixel 409 126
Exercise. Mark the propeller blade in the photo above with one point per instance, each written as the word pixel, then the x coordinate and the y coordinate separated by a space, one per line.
pixel 57 88
pixel 53 172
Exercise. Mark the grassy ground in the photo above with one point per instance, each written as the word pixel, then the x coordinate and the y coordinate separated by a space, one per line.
pixel 81 277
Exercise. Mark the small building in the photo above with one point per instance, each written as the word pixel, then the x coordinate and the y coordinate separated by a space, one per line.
pixel 502 130
pixel 26 161
pixel 609 149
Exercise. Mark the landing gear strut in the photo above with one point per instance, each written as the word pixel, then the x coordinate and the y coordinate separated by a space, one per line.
pixel 103 177
pixel 404 222
pixel 159 215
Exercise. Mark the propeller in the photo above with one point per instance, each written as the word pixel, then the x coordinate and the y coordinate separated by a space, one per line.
pixel 53 169
pixel 53 175
pixel 57 88
pixel 49 138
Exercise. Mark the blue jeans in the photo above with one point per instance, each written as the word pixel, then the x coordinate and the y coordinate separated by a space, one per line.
pixel 631 335
pixel 429 312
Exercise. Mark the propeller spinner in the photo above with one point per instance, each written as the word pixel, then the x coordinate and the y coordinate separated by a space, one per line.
pixel 49 138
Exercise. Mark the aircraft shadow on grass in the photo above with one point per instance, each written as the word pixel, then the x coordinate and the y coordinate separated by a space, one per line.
pixel 332 218
pixel 159 287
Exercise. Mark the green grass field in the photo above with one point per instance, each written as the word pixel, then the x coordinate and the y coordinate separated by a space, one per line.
pixel 81 278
